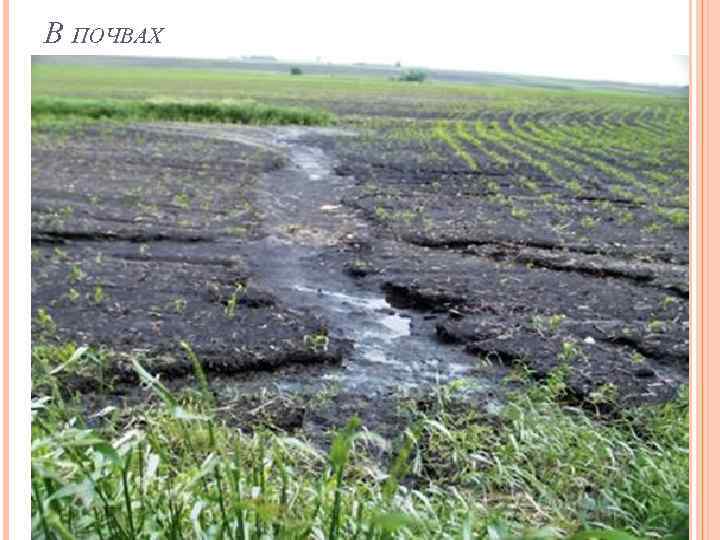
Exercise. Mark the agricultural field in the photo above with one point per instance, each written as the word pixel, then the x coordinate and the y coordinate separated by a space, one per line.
pixel 342 306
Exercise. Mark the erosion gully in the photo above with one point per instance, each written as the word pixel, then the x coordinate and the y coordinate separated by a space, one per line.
pixel 393 349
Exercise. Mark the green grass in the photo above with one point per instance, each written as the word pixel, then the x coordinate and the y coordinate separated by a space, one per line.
pixel 102 82
pixel 442 133
pixel 55 109
pixel 176 470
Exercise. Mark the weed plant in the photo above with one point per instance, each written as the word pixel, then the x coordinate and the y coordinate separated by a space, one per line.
pixel 538 470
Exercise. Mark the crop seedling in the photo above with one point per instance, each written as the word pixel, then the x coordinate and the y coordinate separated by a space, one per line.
pixel 45 321
pixel 547 324
pixel 570 351
pixel 588 222
pixel 231 305
pixel 180 304
pixel 656 327
pixel 99 294
pixel 182 200
pixel 626 216
pixel 76 274
pixel 519 213
pixel 575 187
pixel 382 214
pixel 317 342
pixel 73 295
pixel 653 228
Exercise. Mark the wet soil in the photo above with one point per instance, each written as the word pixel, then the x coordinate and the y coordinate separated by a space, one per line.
pixel 340 272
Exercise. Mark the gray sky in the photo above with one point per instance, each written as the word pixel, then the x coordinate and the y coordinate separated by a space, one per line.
pixel 629 40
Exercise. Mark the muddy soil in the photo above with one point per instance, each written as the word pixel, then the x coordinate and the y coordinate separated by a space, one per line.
pixel 339 272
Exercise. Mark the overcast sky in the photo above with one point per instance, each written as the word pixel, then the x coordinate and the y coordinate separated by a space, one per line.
pixel 628 40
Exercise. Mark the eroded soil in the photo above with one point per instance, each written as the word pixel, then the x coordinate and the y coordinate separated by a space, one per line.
pixel 347 267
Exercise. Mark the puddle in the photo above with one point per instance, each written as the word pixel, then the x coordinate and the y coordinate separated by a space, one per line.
pixel 391 324
pixel 311 161
pixel 386 352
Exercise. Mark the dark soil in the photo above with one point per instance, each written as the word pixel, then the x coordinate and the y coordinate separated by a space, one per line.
pixel 342 273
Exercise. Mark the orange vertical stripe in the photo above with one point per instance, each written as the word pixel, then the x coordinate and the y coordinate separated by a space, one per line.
pixel 6 265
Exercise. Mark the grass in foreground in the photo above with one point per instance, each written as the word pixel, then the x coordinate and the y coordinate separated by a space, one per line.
pixel 46 110
pixel 541 471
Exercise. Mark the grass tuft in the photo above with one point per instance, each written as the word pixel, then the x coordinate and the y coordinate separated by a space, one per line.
pixel 48 110
pixel 538 470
